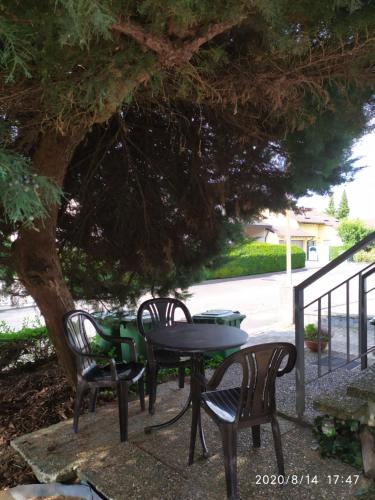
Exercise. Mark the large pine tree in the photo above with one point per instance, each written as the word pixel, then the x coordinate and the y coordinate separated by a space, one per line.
pixel 268 68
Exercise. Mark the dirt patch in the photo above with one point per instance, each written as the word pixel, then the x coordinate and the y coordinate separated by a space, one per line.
pixel 29 400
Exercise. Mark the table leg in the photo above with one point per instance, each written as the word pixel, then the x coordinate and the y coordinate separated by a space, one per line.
pixel 201 433
pixel 173 420
pixel 196 390
pixel 196 365
pixel 194 398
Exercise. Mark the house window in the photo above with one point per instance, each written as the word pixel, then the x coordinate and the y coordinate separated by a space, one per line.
pixel 298 243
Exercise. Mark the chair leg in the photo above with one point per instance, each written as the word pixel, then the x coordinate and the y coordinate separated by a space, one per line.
pixel 153 379
pixel 229 438
pixel 147 381
pixel 141 390
pixel 181 377
pixel 278 445
pixel 122 396
pixel 201 436
pixel 80 392
pixel 93 398
pixel 256 436
pixel 193 432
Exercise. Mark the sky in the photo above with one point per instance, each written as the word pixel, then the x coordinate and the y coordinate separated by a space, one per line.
pixel 361 191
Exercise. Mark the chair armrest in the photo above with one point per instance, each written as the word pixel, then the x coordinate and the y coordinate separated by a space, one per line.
pixel 116 339
pixel 126 340
pixel 111 362
pixel 289 364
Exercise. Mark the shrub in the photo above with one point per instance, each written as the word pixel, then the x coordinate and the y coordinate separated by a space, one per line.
pixel 25 346
pixel 335 251
pixel 254 258
pixel 99 347
pixel 365 256
pixel 339 439
pixel 352 231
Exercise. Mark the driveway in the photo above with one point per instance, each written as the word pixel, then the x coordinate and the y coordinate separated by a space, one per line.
pixel 258 297
pixel 265 299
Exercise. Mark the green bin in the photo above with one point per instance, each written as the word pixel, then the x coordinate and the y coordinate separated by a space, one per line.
pixel 123 326
pixel 129 328
pixel 111 324
pixel 220 317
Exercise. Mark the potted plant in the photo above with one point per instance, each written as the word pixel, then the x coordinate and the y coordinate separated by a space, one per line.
pixel 311 338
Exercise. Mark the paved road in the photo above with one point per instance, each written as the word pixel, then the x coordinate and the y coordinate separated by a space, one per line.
pixel 258 297
pixel 265 299
pixel 18 317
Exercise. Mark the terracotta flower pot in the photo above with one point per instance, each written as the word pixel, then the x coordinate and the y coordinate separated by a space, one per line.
pixel 312 345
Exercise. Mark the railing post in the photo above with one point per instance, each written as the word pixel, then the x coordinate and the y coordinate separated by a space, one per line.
pixel 362 321
pixel 299 340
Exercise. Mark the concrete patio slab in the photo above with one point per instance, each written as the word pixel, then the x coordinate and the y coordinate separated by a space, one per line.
pixel 155 465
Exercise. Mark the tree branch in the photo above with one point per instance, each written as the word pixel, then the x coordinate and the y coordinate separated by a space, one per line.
pixel 212 31
pixel 168 54
pixel 159 45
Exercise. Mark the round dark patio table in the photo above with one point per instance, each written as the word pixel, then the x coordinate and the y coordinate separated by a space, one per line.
pixel 194 340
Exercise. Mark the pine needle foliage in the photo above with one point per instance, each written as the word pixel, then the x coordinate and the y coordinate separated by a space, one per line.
pixel 189 107
pixel 68 52
pixel 321 152
pixel 24 195
pixel 137 189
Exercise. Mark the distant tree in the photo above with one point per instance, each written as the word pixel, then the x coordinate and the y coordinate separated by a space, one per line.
pixel 352 231
pixel 331 210
pixel 343 210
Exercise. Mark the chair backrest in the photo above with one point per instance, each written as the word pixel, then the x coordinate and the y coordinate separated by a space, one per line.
pixel 77 324
pixel 260 367
pixel 161 312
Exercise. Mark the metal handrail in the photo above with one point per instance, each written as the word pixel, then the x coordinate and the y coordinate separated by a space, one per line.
pixel 337 261
pixel 299 309
pixel 342 283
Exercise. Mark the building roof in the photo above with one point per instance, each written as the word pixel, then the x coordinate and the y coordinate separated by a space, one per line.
pixel 302 216
pixel 312 216
pixel 261 225
pixel 294 233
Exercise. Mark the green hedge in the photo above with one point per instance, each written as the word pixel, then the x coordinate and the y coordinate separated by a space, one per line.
pixel 254 258
pixel 24 347
pixel 24 334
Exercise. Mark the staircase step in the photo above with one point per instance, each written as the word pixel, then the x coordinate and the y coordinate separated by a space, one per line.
pixel 364 386
pixel 341 405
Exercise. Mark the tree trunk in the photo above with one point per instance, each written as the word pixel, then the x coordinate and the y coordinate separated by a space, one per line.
pixel 35 252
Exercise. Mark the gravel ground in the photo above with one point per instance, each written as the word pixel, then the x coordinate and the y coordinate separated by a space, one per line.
pixel 332 382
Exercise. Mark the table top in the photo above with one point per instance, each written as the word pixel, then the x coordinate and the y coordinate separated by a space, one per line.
pixel 199 338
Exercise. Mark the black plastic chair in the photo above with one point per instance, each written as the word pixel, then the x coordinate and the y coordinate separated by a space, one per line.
pixel 91 377
pixel 251 404
pixel 162 312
